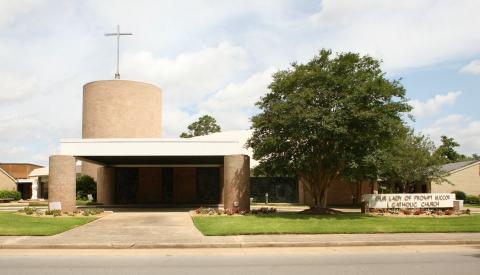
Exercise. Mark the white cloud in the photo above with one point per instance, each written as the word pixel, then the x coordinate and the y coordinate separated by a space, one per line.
pixel 15 88
pixel 175 121
pixel 405 34
pixel 463 129
pixel 9 10
pixel 472 67
pixel 451 119
pixel 207 56
pixel 433 105
pixel 19 128
pixel 189 76
pixel 190 79
pixel 233 105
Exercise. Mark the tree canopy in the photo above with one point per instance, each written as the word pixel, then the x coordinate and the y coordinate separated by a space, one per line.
pixel 410 161
pixel 203 126
pixel 325 117
pixel 446 152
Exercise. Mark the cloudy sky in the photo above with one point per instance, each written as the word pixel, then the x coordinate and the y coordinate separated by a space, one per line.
pixel 217 57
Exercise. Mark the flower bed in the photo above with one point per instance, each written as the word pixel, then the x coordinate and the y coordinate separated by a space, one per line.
pixel 32 211
pixel 420 212
pixel 230 212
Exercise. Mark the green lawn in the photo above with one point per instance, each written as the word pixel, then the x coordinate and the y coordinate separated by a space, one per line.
pixel 12 224
pixel 294 223
pixel 471 206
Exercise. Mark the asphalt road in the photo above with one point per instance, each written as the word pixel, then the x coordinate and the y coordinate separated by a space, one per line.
pixel 355 260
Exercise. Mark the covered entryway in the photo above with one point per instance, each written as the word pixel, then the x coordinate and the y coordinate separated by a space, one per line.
pixel 167 185
pixel 159 180
pixel 160 172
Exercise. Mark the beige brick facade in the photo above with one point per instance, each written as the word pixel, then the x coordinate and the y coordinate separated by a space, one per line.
pixel 121 109
pixel 466 179
pixel 6 181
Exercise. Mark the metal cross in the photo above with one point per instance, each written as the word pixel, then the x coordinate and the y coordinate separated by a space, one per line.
pixel 118 33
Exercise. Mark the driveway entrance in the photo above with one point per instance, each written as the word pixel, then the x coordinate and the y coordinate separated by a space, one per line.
pixel 140 226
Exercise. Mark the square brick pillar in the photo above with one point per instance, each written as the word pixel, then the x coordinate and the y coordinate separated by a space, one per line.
pixel 62 182
pixel 236 182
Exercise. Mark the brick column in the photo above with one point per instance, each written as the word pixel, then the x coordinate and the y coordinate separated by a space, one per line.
pixel 236 182
pixel 62 182
pixel 106 185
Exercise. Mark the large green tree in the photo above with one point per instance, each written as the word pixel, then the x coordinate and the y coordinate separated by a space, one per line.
pixel 446 152
pixel 203 126
pixel 410 161
pixel 327 115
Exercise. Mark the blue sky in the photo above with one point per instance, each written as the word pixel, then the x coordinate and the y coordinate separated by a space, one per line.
pixel 216 57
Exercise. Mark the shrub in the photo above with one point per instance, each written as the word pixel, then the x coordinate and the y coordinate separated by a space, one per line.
pixel 208 211
pixel 418 212
pixel 407 211
pixel 56 212
pixel 86 185
pixel 10 194
pixel 449 212
pixel 438 212
pixel 460 195
pixel 29 210
pixel 472 199
pixel 92 211
pixel 264 210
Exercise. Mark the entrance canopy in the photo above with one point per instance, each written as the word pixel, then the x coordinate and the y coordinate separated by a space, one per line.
pixel 149 147
pixel 201 151
pixel 132 170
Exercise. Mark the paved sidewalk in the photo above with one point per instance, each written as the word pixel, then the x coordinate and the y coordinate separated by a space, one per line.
pixel 175 229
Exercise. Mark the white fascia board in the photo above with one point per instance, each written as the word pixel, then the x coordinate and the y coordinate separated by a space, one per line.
pixel 148 147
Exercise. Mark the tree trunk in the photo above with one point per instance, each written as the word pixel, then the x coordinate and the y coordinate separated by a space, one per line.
pixel 323 198
pixel 317 183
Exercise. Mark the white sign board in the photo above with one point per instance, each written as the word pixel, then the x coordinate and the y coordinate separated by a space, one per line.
pixel 55 205
pixel 414 200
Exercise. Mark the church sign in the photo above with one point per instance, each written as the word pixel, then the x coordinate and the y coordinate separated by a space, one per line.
pixel 415 200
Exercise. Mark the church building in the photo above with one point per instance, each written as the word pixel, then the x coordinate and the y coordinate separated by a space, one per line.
pixel 122 148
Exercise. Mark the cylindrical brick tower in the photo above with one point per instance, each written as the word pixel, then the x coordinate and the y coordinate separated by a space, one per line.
pixel 118 109
pixel 121 109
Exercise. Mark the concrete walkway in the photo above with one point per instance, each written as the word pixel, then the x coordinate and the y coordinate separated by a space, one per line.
pixel 175 229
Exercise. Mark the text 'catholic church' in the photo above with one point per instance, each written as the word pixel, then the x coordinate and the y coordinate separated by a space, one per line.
pixel 123 150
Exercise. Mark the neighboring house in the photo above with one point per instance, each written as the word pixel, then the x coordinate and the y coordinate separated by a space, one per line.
pixel 39 179
pixel 463 176
pixel 20 173
pixel 7 182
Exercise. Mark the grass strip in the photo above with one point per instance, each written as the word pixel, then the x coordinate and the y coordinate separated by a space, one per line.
pixel 295 223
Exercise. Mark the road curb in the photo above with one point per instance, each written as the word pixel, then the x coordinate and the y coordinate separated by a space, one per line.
pixel 238 245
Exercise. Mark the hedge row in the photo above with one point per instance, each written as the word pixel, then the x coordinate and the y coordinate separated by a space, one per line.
pixel 470 199
pixel 10 194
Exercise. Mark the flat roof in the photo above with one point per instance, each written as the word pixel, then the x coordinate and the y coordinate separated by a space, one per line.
pixel 203 150
pixel 149 147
